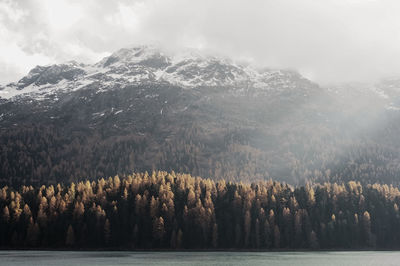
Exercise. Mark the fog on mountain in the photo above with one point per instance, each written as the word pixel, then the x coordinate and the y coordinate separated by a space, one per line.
pixel 66 128
pixel 144 109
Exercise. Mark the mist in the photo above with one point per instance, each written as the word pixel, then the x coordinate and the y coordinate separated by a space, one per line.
pixel 327 41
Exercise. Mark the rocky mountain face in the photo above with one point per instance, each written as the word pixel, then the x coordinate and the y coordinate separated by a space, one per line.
pixel 147 65
pixel 142 109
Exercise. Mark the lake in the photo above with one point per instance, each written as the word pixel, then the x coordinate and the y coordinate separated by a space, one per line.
pixel 198 258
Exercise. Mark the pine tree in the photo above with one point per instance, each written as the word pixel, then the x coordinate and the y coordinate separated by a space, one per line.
pixel 70 237
pixel 179 239
pixel 107 232
pixel 367 228
pixel 215 236
pixel 277 237
pixel 158 228
pixel 247 228
pixel 33 233
pixel 6 214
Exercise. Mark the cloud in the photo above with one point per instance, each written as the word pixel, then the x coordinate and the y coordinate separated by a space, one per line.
pixel 329 41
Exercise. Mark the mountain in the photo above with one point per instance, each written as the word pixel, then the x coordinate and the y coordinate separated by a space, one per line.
pixel 147 65
pixel 143 108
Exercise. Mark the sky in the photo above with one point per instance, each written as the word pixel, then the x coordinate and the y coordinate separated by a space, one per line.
pixel 328 41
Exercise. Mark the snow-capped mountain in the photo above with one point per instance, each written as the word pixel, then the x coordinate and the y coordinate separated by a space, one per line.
pixel 142 108
pixel 148 64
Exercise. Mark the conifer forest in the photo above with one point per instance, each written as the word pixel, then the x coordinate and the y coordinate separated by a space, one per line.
pixel 167 210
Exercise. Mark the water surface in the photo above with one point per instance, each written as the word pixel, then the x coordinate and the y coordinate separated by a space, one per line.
pixel 198 258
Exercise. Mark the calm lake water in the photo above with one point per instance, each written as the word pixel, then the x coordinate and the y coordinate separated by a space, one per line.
pixel 198 258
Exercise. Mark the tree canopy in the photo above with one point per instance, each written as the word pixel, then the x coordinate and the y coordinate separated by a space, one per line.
pixel 175 211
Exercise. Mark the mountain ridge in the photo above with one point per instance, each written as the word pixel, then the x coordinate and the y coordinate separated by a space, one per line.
pixel 148 64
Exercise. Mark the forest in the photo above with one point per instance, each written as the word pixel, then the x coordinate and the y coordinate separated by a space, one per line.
pixel 167 210
pixel 37 155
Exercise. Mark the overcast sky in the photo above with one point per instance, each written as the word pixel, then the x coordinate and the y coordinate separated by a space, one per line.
pixel 325 40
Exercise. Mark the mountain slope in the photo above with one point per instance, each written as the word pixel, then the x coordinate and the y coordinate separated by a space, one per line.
pixel 141 109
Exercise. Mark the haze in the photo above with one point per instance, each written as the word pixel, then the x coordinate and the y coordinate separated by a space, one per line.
pixel 330 41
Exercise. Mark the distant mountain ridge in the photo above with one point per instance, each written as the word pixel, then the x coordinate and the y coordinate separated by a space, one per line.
pixel 147 64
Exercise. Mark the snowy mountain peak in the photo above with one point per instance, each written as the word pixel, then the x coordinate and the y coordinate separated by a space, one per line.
pixel 145 55
pixel 150 64
pixel 41 75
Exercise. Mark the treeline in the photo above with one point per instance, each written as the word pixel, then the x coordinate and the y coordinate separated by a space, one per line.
pixel 177 211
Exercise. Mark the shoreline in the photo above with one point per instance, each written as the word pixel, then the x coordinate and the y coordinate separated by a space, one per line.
pixel 197 250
